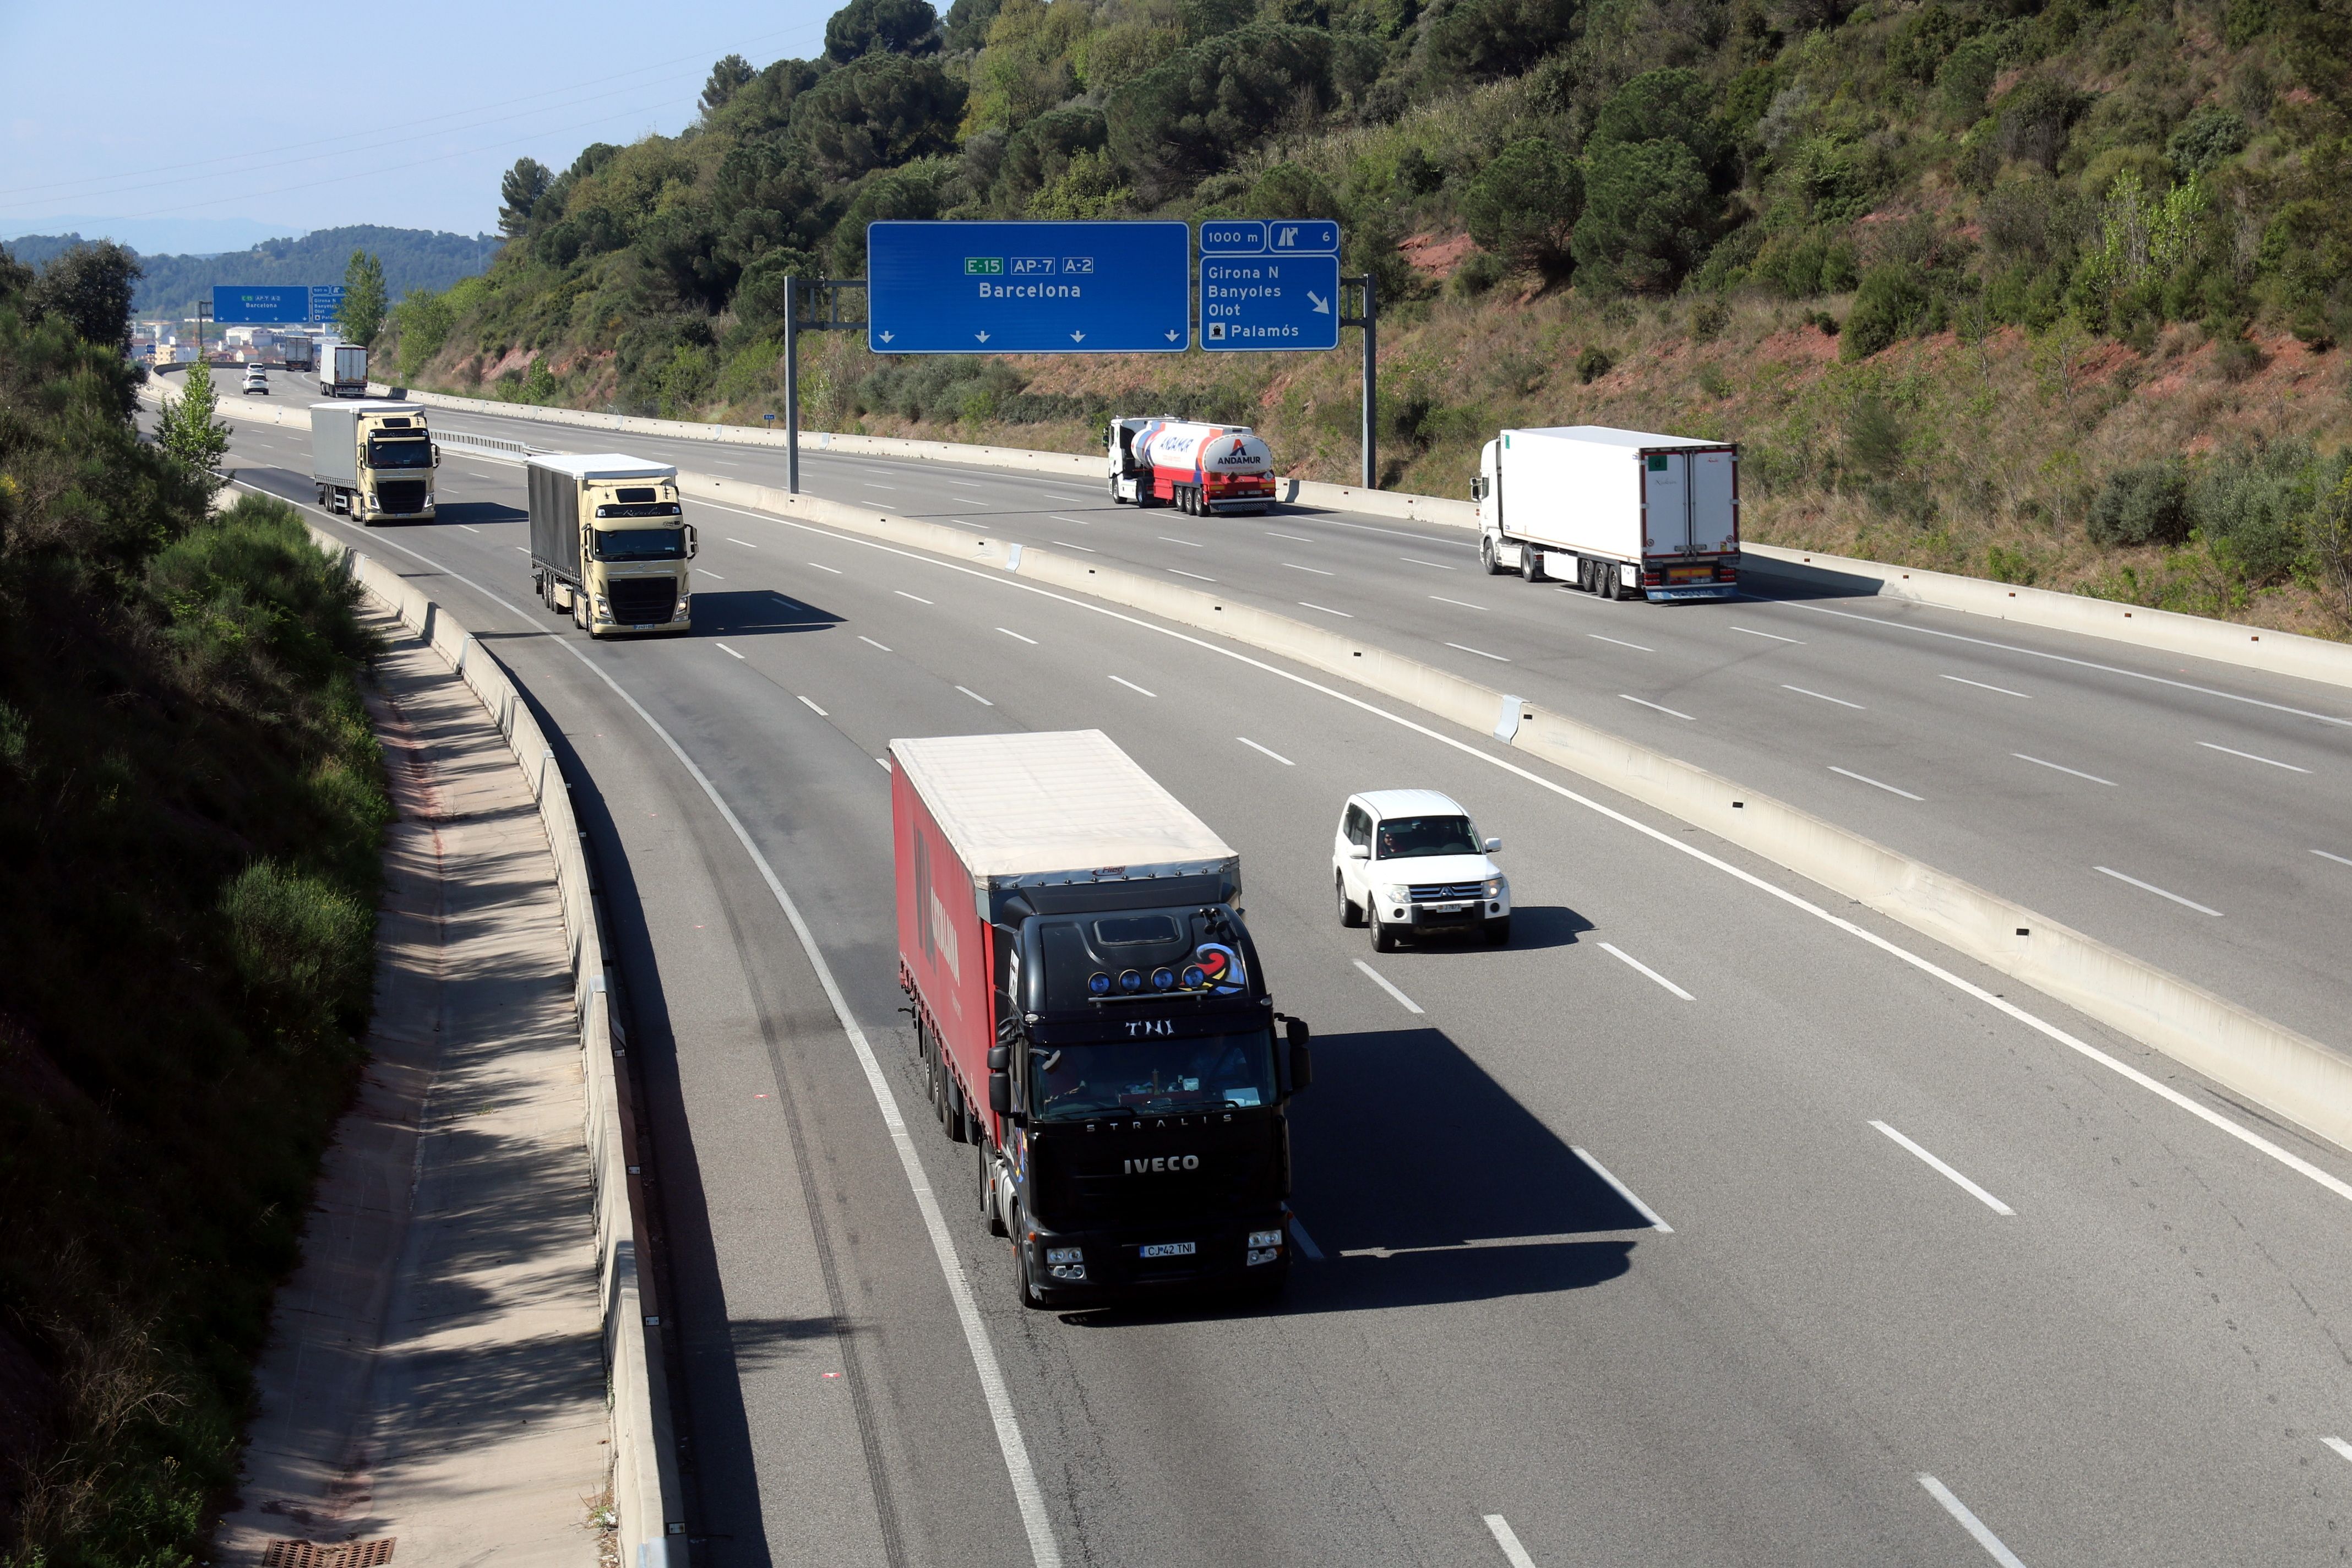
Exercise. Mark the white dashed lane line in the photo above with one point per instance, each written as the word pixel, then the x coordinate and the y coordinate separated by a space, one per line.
pixel 1385 983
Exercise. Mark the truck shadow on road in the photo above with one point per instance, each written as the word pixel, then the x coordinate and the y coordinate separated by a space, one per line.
pixel 475 513
pixel 757 613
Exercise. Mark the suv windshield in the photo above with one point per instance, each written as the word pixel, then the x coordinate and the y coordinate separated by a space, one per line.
pixel 641 544
pixel 1206 1072
pixel 1416 838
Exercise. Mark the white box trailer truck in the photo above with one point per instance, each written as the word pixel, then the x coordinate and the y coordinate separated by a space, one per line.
pixel 1620 513
pixel 373 460
pixel 343 371
pixel 609 542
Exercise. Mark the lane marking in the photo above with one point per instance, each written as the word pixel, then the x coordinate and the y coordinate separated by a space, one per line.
pixel 722 647
pixel 1187 543
pixel 2083 663
pixel 1864 778
pixel 1417 561
pixel 1463 604
pixel 1513 1552
pixel 1776 637
pixel 1325 608
pixel 1132 685
pixel 885 762
pixel 1980 686
pixel 1286 763
pixel 744 543
pixel 1392 532
pixel 1481 652
pixel 1194 575
pixel 2160 892
pixel 2339 859
pixel 1294 538
pixel 1919 962
pixel 904 594
pixel 469 527
pixel 813 708
pixel 1016 637
pixel 975 696
pixel 1295 566
pixel 871 485
pixel 709 572
pixel 1618 954
pixel 1622 1191
pixel 1081 521
pixel 2078 772
pixel 1306 1242
pixel 517 549
pixel 968 500
pixel 1659 706
pixel 871 643
pixel 1823 695
pixel 823 567
pixel 1957 1180
pixel 1620 642
pixel 2251 758
pixel 2339 1445
pixel 1383 982
pixel 1068 545
pixel 1969 1521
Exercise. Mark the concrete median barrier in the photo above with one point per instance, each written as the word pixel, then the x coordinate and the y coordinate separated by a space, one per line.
pixel 2288 1073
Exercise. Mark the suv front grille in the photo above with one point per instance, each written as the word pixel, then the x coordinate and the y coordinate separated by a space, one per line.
pixel 642 601
pixel 1435 892
pixel 399 495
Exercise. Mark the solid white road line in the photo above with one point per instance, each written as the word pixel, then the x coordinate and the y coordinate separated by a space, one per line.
pixel 2160 892
pixel 1194 575
pixel 1513 1552
pixel 1658 835
pixel 1295 566
pixel 2339 859
pixel 1980 686
pixel 2251 758
pixel 1957 1180
pixel 1659 706
pixel 1481 652
pixel 1325 608
pixel 1776 637
pixel 1253 746
pixel 744 543
pixel 1383 982
pixel 1862 778
pixel 1016 637
pixel 2083 663
pixel 813 708
pixel 1082 549
pixel 1187 543
pixel 1417 561
pixel 1823 695
pixel 1306 1242
pixel 1462 603
pixel 2037 761
pixel 1618 954
pixel 1970 1522
pixel 722 647
pixel 2339 1445
pixel 904 594
pixel 1620 642
pixel 871 643
pixel 823 567
pixel 975 696
pixel 1132 685
pixel 1621 1190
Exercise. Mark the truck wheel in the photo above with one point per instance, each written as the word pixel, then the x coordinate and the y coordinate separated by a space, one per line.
pixel 951 1100
pixel 1487 557
pixel 1531 563
pixel 988 1211
pixel 1115 499
pixel 1021 1280
pixel 1349 915
pixel 1498 933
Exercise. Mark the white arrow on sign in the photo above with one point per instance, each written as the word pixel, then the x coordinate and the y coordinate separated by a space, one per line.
pixel 1171 334
pixel 1322 306
pixel 887 336
pixel 982 336
pixel 1077 337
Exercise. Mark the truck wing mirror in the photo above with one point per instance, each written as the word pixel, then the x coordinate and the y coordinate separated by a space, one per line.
pixel 1360 851
pixel 692 543
pixel 436 454
pixel 1302 1061
pixel 1000 1058
pixel 1493 847
pixel 1000 1093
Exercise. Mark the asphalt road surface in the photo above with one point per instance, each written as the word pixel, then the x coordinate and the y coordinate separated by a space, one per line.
pixel 1941 1284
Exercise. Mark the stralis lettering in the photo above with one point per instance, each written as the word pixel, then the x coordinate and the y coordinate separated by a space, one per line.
pixel 1163 1163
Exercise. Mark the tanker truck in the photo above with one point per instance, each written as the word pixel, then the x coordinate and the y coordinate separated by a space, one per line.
pixel 1197 469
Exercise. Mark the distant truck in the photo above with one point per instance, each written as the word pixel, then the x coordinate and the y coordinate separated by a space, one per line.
pixel 373 460
pixel 297 353
pixel 1090 1012
pixel 1620 513
pixel 609 542
pixel 343 371
pixel 1197 469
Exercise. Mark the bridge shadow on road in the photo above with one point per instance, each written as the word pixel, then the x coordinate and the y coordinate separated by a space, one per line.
pixel 757 613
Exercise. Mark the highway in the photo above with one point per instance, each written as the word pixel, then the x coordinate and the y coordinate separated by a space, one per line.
pixel 1925 1286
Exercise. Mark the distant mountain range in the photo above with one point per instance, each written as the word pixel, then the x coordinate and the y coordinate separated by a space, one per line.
pixel 156 235
pixel 413 258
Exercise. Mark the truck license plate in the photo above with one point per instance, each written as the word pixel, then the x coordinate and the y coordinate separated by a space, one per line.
pixel 1690 574
pixel 1169 1249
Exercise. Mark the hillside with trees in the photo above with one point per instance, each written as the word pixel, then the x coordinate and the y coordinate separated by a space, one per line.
pixel 413 258
pixel 2046 290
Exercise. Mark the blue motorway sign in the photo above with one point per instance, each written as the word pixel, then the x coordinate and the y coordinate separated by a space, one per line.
pixel 952 288
pixel 267 305
pixel 1272 284
pixel 326 301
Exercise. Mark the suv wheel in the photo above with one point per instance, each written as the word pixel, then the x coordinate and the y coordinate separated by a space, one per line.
pixel 1349 915
pixel 1384 939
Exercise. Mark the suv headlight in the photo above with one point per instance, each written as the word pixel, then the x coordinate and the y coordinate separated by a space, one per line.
pixel 1397 893
pixel 1495 887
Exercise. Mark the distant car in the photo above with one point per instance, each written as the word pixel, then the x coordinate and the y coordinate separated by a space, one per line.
pixel 257 380
pixel 1408 862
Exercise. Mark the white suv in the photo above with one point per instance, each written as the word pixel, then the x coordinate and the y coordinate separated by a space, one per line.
pixel 1407 861
pixel 257 380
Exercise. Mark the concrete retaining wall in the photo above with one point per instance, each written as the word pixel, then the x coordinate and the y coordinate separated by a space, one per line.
pixel 646 1493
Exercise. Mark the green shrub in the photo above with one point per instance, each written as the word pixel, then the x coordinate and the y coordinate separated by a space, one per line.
pixel 1647 216
pixel 1592 363
pixel 1479 271
pixel 1523 207
pixel 1891 304
pixel 304 948
pixel 2146 504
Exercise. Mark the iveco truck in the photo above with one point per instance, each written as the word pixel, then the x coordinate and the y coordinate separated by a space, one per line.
pixel 1092 1017
pixel 1196 469
pixel 373 460
pixel 609 543
pixel 1620 513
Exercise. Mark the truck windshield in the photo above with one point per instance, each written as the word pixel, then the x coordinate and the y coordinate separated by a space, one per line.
pixel 1151 1078
pixel 641 544
pixel 399 452
pixel 1415 837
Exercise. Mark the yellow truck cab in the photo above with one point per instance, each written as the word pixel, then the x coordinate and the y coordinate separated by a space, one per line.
pixel 373 460
pixel 609 542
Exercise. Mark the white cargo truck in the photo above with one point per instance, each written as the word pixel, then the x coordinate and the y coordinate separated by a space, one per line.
pixel 343 371
pixel 609 543
pixel 1620 513
pixel 373 460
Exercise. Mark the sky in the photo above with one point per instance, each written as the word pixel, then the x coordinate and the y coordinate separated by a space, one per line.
pixel 256 117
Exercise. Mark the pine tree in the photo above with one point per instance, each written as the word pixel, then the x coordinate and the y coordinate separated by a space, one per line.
pixel 364 303
pixel 188 430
